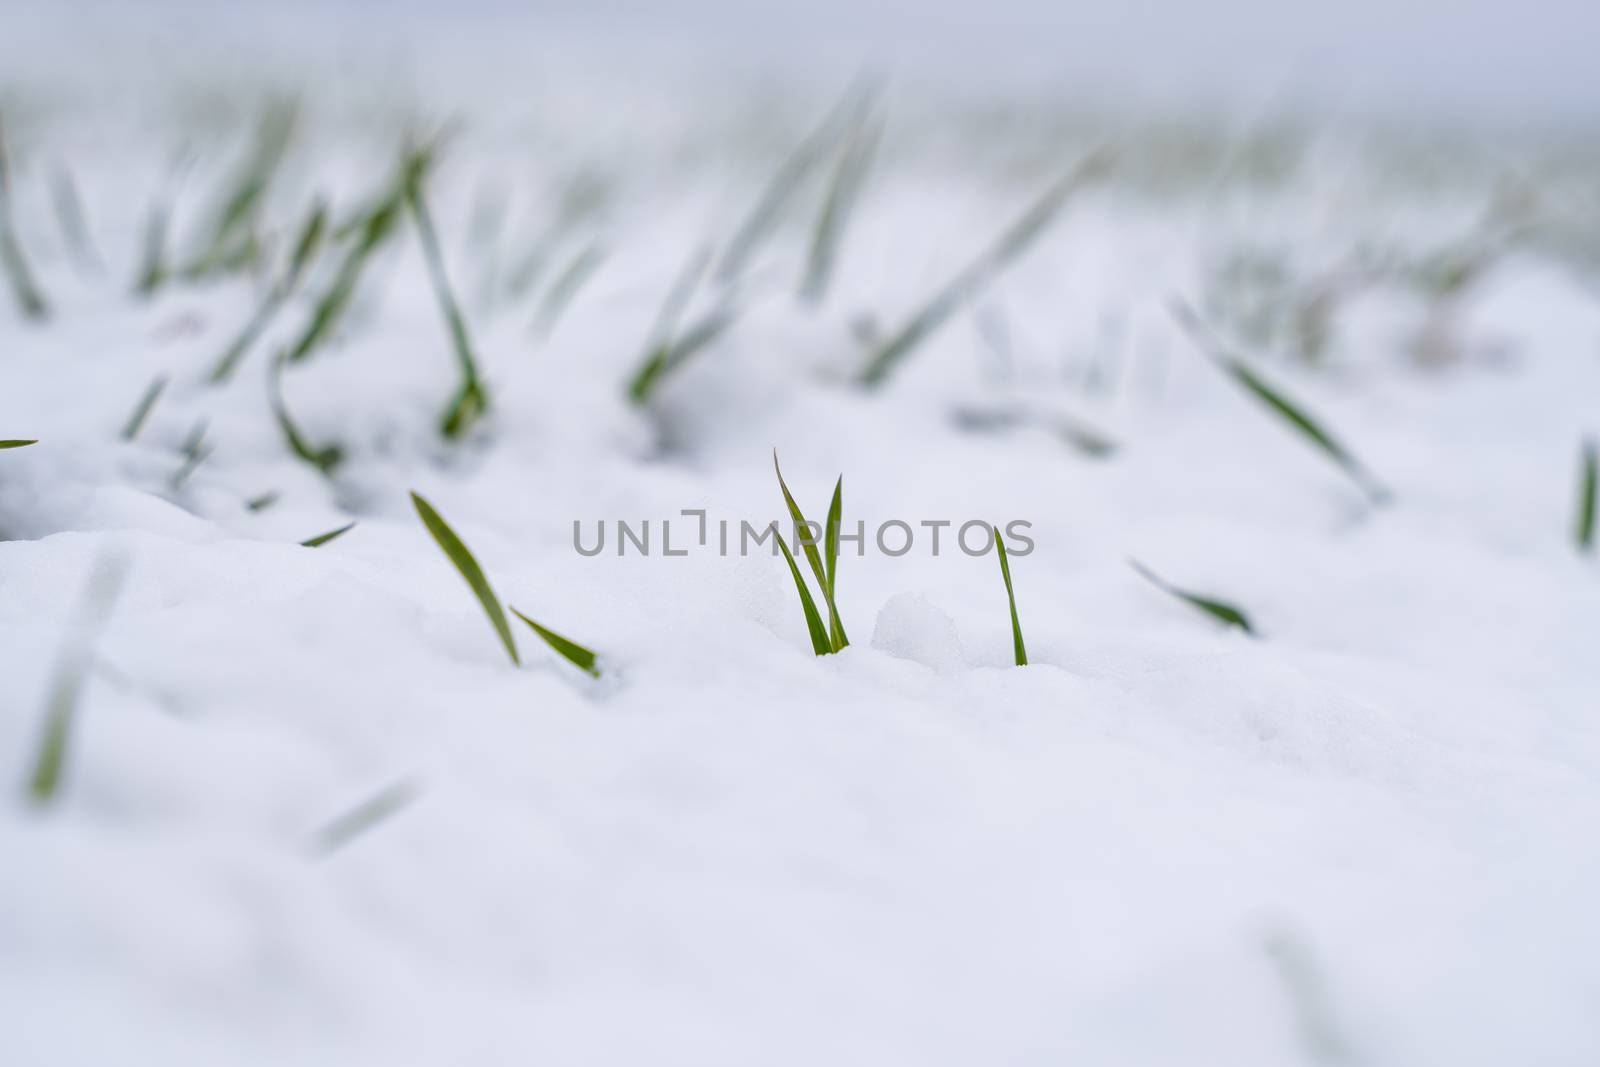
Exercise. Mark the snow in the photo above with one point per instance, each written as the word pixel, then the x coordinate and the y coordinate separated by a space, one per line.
pixel 1367 837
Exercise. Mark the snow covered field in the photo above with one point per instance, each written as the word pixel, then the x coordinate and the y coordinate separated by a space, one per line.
pixel 1366 835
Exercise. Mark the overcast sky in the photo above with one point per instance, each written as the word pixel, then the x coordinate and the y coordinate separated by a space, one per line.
pixel 1535 58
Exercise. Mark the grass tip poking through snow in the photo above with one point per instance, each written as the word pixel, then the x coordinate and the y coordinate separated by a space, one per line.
pixel 1220 610
pixel 459 555
pixel 832 636
pixel 582 658
pixel 1588 477
pixel 332 535
pixel 1018 649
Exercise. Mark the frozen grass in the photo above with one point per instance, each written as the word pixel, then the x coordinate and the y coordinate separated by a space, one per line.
pixel 1220 610
pixel 582 658
pixel 24 289
pixel 332 535
pixel 1588 479
pixel 16 443
pixel 1018 650
pixel 305 250
pixel 146 404
pixel 461 557
pixel 363 818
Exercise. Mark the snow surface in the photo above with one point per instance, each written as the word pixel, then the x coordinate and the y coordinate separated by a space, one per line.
pixel 1368 837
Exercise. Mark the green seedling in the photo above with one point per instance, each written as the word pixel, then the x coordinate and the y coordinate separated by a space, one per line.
pixel 72 669
pixel 824 572
pixel 141 410
pixel 378 808
pixel 1019 651
pixel 970 283
pixel 1293 414
pixel 574 653
pixel 332 535
pixel 1220 610
pixel 1587 479
pixel 305 249
pixel 462 558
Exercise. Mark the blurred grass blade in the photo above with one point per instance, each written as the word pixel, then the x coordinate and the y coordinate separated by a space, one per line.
pixel 1291 412
pixel 970 282
pixel 232 242
pixel 262 502
pixel 791 174
pixel 141 411
pixel 574 653
pixel 461 556
pixel 837 638
pixel 1586 496
pixel 849 176
pixel 322 539
pixel 324 459
pixel 671 355
pixel 153 269
pixel 1017 648
pixel 30 301
pixel 363 817
pixel 471 399
pixel 565 287
pixel 369 232
pixel 15 443
pixel 1220 610
pixel 76 659
pixel 819 633
pixel 305 249
pixel 74 226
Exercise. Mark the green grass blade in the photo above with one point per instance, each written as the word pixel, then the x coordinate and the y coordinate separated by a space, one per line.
pixel 574 653
pixel 30 301
pixel 305 249
pixel 377 809
pixel 1018 650
pixel 77 658
pixel 470 400
pixel 141 411
pixel 1292 413
pixel 262 502
pixel 787 181
pixel 153 269
pixel 977 276
pixel 1220 610
pixel 837 638
pixel 16 443
pixel 73 223
pixel 461 556
pixel 844 190
pixel 819 633
pixel 565 287
pixel 231 243
pixel 830 540
pixel 369 232
pixel 674 354
pixel 325 459
pixel 323 538
pixel 1586 496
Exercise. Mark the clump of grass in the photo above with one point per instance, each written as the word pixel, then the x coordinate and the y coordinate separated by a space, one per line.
pixel 1588 480
pixel 981 272
pixel 16 443
pixel 378 808
pixel 308 241
pixel 844 189
pixel 30 301
pixel 72 668
pixel 231 243
pixel 1018 650
pixel 459 555
pixel 141 410
pixel 324 459
pixel 1220 610
pixel 582 658
pixel 332 535
pixel 826 636
pixel 667 350
pixel 369 232
pixel 1293 414
pixel 471 400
